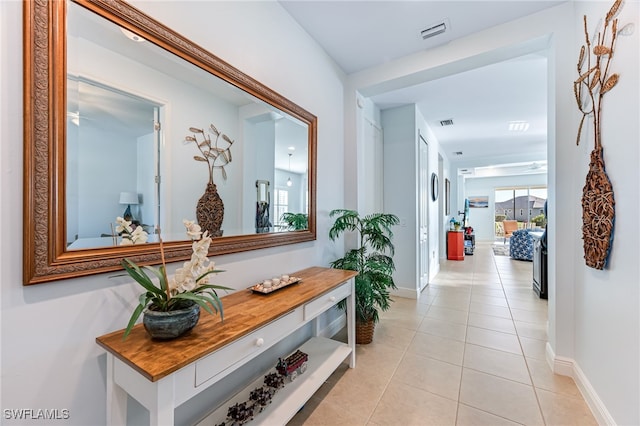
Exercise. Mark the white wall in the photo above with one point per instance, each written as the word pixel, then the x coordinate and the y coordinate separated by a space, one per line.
pixel 594 329
pixel 483 220
pixel 49 355
pixel 400 192
pixel 607 319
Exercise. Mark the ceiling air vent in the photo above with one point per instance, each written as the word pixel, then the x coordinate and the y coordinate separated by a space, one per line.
pixel 458 152
pixel 434 29
pixel 448 122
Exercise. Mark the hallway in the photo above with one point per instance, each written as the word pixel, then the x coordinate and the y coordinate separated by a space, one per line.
pixel 470 351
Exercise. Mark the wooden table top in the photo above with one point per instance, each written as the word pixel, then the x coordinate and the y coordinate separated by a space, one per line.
pixel 244 312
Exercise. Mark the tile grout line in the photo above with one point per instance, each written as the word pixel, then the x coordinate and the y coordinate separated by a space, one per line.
pixel 464 346
pixel 404 352
pixel 533 387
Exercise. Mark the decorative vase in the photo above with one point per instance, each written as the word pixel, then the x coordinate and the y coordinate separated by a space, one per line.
pixel 171 324
pixel 598 212
pixel 210 211
pixel 364 332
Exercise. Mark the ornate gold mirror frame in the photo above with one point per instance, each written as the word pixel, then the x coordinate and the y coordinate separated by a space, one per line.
pixel 46 257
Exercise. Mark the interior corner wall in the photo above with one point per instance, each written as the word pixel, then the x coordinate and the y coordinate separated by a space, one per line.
pixel 49 358
pixel 402 127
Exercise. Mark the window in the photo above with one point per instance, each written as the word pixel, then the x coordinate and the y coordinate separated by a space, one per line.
pixel 281 206
pixel 521 204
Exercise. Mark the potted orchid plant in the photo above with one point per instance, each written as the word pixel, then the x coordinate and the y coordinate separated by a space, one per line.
pixel 172 306
pixel 130 235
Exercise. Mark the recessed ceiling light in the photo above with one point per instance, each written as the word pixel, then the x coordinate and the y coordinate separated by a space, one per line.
pixel 518 126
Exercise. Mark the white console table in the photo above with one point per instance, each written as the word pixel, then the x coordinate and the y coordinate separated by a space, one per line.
pixel 163 375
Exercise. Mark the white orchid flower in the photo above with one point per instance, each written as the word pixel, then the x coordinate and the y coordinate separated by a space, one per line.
pixel 123 226
pixel 194 231
pixel 139 235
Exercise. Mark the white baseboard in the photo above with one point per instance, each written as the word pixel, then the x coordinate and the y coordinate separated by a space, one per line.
pixel 334 326
pixel 568 367
pixel 405 292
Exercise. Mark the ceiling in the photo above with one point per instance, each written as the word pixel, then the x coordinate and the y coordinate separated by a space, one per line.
pixel 481 102
pixel 114 110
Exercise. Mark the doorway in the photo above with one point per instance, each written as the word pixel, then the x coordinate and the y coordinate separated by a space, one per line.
pixel 423 220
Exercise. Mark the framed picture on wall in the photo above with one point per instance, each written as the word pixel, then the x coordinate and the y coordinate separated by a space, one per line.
pixel 447 197
pixel 479 202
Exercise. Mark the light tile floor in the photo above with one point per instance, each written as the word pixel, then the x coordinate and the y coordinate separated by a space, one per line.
pixel 470 351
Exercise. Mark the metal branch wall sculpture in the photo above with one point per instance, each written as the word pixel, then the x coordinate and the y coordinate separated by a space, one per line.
pixel 598 204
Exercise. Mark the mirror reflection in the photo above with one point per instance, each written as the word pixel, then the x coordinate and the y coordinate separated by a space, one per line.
pixel 131 111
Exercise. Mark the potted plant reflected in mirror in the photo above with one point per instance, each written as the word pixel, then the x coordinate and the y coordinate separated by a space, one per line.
pixel 296 221
pixel 172 306
pixel 373 260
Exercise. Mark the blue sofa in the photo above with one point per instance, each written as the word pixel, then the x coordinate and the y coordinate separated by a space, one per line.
pixel 521 245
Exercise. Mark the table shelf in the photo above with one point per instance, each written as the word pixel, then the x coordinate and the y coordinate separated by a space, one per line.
pixel 325 356
pixel 183 368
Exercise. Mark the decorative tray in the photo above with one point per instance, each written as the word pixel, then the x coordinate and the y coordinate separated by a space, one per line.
pixel 269 286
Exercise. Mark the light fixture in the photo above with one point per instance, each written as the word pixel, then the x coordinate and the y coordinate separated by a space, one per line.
pixel 128 198
pixel 132 36
pixel 289 183
pixel 518 126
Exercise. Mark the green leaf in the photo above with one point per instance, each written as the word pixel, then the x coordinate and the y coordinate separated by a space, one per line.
pixel 134 317
pixel 375 270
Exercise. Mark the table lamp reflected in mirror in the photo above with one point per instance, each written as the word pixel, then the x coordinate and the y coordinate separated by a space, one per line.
pixel 128 198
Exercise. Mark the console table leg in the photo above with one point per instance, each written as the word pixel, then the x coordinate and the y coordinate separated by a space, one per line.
pixel 351 324
pixel 164 403
pixel 116 397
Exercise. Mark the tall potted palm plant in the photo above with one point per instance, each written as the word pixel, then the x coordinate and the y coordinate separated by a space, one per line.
pixel 372 260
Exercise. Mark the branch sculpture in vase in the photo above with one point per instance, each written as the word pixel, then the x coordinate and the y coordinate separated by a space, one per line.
pixel 598 204
pixel 210 208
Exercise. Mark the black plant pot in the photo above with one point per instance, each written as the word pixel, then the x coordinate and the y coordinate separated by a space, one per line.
pixel 172 324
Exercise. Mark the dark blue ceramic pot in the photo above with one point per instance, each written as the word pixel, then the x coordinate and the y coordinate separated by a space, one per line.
pixel 169 325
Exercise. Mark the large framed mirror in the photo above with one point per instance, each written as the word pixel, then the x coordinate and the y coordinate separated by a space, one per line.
pixel 126 118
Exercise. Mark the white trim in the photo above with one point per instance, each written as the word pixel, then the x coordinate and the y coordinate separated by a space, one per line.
pixel 568 367
pixel 599 410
